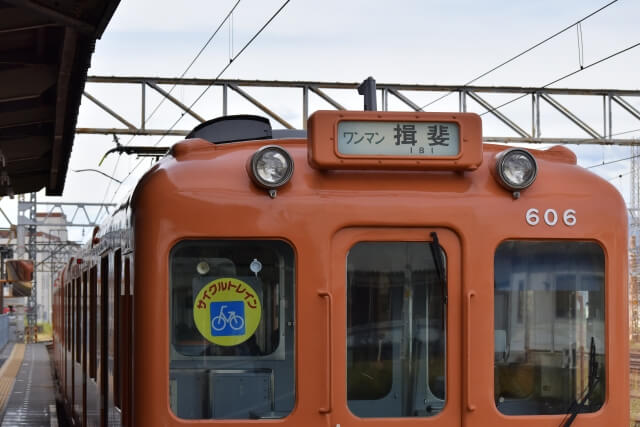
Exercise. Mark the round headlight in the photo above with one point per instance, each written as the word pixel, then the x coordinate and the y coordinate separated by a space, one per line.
pixel 271 167
pixel 516 168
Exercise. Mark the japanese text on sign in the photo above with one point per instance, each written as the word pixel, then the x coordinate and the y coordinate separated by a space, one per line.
pixel 227 311
pixel 426 139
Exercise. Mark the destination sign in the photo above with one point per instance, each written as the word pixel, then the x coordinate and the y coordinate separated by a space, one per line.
pixel 390 138
pixel 394 140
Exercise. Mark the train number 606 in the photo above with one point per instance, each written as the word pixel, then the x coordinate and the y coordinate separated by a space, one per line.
pixel 550 217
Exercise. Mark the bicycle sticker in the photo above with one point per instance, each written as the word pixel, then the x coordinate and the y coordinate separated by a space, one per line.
pixel 227 318
pixel 227 311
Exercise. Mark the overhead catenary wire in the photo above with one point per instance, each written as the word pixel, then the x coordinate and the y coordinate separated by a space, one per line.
pixel 524 52
pixel 566 76
pixel 578 142
pixel 611 162
pixel 603 163
pixel 282 7
pixel 233 58
pixel 228 17
pixel 619 176
pixel 186 70
pixel 206 89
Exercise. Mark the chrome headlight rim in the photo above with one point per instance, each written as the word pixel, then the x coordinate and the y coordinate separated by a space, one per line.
pixel 501 159
pixel 255 176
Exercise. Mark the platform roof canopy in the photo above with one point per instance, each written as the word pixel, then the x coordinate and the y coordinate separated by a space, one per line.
pixel 45 52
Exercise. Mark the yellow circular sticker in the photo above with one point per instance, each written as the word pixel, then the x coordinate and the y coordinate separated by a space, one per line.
pixel 227 311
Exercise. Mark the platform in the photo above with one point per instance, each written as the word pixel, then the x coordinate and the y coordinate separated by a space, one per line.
pixel 27 393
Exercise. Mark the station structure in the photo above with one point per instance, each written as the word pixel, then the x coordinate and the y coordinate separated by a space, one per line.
pixel 46 51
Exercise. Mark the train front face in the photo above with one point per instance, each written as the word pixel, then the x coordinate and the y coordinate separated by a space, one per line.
pixel 388 270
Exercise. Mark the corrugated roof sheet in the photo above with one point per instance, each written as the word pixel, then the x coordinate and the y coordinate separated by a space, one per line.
pixel 45 52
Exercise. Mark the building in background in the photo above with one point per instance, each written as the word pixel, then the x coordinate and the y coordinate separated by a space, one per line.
pixel 52 251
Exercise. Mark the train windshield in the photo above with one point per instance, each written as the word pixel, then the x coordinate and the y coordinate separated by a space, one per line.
pixel 549 327
pixel 232 329
pixel 395 330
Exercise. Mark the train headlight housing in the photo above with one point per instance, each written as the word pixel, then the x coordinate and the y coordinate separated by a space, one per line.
pixel 271 167
pixel 516 169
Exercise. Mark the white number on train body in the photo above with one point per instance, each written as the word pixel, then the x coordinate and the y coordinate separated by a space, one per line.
pixel 569 217
pixel 532 217
pixel 550 217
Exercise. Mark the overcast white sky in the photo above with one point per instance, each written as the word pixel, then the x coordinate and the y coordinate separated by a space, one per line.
pixel 404 41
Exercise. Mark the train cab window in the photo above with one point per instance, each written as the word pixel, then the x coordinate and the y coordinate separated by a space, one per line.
pixel 395 331
pixel 549 327
pixel 231 329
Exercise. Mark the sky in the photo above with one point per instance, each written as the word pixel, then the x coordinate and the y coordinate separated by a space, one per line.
pixel 404 41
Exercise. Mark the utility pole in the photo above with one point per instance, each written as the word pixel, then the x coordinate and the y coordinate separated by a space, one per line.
pixel 47 251
pixel 27 234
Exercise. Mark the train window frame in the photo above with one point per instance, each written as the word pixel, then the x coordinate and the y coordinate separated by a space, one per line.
pixel 77 283
pixel 373 406
pixel 67 315
pixel 117 356
pixel 85 300
pixel 550 284
pixel 93 322
pixel 265 359
pixel 104 337
pixel 127 339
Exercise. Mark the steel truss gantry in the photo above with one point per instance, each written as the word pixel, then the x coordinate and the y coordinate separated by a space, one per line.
pixel 48 251
pixel 470 98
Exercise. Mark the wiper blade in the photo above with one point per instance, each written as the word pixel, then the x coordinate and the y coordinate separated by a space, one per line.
pixel 436 253
pixel 593 379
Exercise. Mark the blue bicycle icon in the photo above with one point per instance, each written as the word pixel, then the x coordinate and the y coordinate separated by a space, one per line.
pixel 229 319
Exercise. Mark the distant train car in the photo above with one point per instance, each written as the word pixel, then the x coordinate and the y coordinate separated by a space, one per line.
pixel 387 269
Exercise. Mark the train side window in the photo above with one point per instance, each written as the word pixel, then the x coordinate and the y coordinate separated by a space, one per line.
pixel 231 329
pixel 104 337
pixel 549 326
pixel 127 342
pixel 78 318
pixel 117 372
pixel 67 312
pixel 395 331
pixel 93 310
pixel 85 306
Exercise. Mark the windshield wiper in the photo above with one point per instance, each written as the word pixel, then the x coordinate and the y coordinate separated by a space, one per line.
pixel 436 253
pixel 576 406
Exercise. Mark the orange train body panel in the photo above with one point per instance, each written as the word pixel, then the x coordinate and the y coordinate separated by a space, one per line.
pixel 202 192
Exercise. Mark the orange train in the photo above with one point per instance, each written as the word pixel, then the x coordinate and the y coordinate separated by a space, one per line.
pixel 381 269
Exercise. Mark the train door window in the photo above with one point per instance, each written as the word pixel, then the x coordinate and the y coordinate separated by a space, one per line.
pixel 67 312
pixel 78 319
pixel 395 330
pixel 549 326
pixel 104 337
pixel 117 278
pixel 232 329
pixel 85 306
pixel 93 324
pixel 127 342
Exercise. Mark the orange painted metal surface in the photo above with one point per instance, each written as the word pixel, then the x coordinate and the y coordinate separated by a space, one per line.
pixel 202 191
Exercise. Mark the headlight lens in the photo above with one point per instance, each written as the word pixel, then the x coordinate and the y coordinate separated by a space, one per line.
pixel 516 168
pixel 271 167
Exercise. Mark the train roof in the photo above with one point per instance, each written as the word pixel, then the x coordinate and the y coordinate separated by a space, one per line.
pixel 214 160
